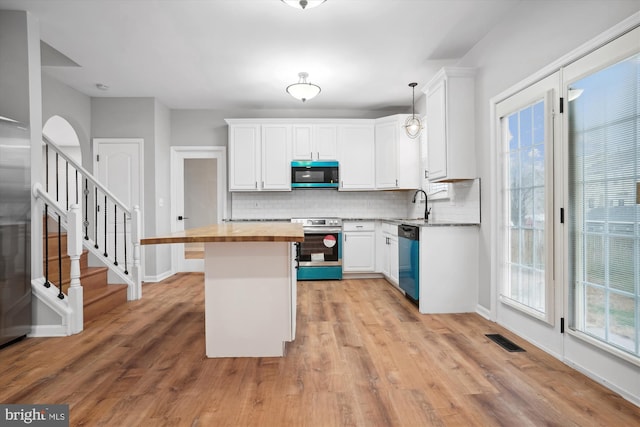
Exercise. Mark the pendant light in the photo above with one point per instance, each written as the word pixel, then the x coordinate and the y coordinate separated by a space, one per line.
pixel 303 90
pixel 303 4
pixel 413 125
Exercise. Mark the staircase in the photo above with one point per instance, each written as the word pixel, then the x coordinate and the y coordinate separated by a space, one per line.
pixel 99 296
pixel 96 241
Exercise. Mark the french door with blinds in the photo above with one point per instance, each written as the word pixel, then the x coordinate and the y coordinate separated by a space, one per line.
pixel 603 176
pixel 568 192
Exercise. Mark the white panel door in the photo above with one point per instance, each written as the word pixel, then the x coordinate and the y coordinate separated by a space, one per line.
pixel 198 198
pixel 118 166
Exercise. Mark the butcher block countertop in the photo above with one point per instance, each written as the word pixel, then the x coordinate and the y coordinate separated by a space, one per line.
pixel 234 232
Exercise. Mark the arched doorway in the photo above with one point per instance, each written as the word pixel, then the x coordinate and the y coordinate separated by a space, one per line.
pixel 61 182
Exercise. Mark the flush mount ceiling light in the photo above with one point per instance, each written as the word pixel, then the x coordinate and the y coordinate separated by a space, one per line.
pixel 303 90
pixel 413 125
pixel 303 4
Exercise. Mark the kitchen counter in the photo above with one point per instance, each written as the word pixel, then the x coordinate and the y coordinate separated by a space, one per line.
pixel 234 232
pixel 250 286
pixel 415 221
pixel 431 223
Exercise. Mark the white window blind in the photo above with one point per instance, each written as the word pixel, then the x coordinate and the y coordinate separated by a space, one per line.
pixel 603 214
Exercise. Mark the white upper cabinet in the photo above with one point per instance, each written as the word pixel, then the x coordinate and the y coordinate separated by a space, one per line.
pixel 259 156
pixel 450 125
pixel 276 161
pixel 397 155
pixel 314 142
pixel 356 155
pixel 244 157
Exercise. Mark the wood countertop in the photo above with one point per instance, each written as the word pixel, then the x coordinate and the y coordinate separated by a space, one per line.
pixel 234 232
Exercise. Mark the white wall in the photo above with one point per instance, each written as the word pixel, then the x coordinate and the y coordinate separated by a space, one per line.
pixel 162 189
pixel 75 107
pixel 531 37
pixel 207 127
pixel 134 118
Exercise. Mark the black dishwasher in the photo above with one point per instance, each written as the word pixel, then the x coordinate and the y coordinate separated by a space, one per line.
pixel 409 260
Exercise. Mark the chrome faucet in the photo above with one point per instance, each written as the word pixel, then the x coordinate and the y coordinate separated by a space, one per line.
pixel 427 210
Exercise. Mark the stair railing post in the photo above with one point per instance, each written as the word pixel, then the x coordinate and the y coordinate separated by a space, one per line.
pixel 74 249
pixel 136 221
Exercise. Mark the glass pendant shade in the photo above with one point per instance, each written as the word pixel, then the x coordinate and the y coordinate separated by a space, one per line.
pixel 303 90
pixel 413 125
pixel 303 4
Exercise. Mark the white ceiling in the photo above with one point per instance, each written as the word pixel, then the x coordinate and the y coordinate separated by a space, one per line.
pixel 234 54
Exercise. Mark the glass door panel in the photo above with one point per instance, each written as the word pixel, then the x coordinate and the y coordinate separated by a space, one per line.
pixel 604 176
pixel 200 206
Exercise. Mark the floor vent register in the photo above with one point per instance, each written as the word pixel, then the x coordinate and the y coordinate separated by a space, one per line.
pixel 505 343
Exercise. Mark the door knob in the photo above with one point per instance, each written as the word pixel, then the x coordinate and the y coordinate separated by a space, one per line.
pixel 180 218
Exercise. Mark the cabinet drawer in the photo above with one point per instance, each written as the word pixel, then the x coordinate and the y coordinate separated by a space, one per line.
pixel 390 228
pixel 359 226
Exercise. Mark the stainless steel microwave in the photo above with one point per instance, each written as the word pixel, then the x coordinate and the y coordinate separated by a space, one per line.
pixel 314 174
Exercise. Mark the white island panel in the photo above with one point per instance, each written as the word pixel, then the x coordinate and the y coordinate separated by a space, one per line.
pixel 248 298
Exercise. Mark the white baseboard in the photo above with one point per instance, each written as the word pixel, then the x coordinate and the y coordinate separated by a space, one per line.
pixel 159 277
pixel 484 312
pixel 597 378
pixel 39 331
pixel 347 276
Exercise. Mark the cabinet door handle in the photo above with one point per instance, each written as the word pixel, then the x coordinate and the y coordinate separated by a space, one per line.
pixel 311 155
pixel 318 155
pixel 396 182
pixel 256 185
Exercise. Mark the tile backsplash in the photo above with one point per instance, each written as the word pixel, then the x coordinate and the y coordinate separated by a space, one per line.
pixel 463 204
pixel 319 203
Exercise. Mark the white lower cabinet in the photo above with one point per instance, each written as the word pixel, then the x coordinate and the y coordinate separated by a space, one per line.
pixel 358 250
pixel 388 251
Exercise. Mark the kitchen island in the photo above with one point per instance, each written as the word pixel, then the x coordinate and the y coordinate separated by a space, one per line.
pixel 250 285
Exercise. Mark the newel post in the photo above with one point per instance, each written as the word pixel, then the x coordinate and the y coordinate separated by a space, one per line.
pixel 74 250
pixel 135 292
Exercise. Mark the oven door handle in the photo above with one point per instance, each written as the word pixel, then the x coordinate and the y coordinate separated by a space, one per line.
pixel 323 231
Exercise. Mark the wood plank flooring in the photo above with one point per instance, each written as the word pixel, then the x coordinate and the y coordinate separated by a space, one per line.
pixel 363 357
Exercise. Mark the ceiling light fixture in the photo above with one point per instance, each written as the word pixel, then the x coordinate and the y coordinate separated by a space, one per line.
pixel 303 4
pixel 303 90
pixel 413 125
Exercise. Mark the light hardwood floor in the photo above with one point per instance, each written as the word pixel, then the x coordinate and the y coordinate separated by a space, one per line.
pixel 363 357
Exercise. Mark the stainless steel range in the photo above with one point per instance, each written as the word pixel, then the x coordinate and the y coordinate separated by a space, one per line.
pixel 320 255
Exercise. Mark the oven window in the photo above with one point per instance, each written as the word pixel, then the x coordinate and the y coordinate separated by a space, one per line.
pixel 320 247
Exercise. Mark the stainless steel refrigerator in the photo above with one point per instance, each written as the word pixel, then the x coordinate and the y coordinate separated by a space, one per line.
pixel 15 231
